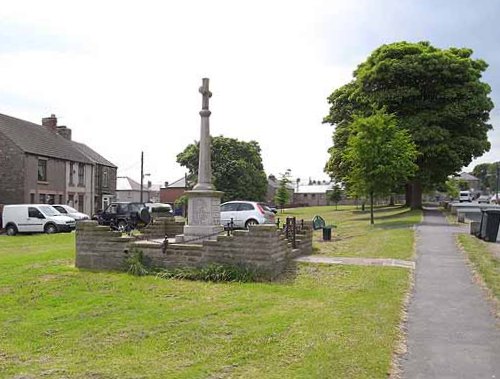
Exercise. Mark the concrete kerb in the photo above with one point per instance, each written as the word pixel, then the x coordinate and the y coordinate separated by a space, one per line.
pixel 356 261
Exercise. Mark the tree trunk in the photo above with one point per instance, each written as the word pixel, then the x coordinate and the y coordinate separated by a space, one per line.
pixel 416 195
pixel 371 208
pixel 408 194
pixel 391 200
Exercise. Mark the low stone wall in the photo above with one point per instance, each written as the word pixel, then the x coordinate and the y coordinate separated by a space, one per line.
pixel 98 247
pixel 263 247
pixel 163 226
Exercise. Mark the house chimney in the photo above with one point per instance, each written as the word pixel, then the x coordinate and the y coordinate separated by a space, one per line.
pixel 166 184
pixel 50 123
pixel 64 131
pixel 149 184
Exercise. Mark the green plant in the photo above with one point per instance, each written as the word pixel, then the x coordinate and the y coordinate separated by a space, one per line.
pixel 212 273
pixel 135 263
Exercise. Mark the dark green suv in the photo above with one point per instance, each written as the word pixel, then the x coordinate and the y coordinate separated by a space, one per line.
pixel 123 216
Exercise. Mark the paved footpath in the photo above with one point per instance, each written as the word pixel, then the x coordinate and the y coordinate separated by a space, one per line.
pixel 451 330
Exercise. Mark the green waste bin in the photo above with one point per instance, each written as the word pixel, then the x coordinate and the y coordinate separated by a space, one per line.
pixel 482 227
pixel 327 233
pixel 492 224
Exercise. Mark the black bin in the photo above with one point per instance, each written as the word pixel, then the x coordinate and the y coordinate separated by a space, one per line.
pixel 327 233
pixel 482 227
pixel 492 224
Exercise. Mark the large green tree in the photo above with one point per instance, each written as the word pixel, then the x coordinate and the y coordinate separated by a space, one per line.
pixel 487 174
pixel 237 168
pixel 379 156
pixel 437 96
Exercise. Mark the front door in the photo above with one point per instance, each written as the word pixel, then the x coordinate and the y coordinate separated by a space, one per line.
pixel 34 221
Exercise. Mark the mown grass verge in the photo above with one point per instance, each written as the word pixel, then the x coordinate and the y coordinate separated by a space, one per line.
pixel 483 261
pixel 392 236
pixel 319 321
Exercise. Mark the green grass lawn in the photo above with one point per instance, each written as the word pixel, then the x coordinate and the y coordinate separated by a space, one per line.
pixel 485 264
pixel 321 321
pixel 392 236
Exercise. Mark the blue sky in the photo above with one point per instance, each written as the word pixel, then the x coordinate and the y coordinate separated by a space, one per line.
pixel 125 75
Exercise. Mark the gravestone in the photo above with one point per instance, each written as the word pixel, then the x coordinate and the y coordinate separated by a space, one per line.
pixel 203 201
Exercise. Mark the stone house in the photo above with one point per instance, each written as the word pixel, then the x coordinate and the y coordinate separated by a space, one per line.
pixel 104 177
pixel 128 190
pixel 471 180
pixel 312 194
pixel 40 164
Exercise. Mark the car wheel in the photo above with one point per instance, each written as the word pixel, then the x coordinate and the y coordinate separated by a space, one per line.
pixel 11 230
pixel 251 222
pixel 122 225
pixel 50 229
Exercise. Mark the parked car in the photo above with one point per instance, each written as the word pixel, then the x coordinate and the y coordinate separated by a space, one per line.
pixel 124 215
pixel 483 199
pixel 245 213
pixel 35 218
pixel 465 196
pixel 160 209
pixel 66 210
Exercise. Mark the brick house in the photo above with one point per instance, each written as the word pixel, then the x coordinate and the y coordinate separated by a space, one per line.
pixel 173 191
pixel 40 164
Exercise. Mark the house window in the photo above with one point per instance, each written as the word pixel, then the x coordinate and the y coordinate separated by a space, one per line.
pixel 32 198
pixel 81 174
pixel 71 200
pixel 71 173
pixel 60 199
pixel 313 195
pixel 41 198
pixel 42 170
pixel 50 199
pixel 105 177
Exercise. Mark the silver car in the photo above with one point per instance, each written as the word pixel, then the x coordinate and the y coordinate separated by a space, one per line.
pixel 66 210
pixel 245 213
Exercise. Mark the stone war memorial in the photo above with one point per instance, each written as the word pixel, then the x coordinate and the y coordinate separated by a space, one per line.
pixel 203 200
pixel 201 241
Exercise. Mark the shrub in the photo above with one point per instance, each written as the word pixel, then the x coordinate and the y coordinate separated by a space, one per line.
pixel 135 263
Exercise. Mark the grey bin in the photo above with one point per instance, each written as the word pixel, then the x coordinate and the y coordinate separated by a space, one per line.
pixel 490 221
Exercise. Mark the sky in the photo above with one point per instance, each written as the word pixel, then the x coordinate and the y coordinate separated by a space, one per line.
pixel 124 75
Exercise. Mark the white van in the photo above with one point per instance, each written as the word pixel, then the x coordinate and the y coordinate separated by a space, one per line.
pixel 35 218
pixel 465 196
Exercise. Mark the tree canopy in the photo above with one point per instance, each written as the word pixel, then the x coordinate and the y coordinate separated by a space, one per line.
pixel 487 174
pixel 437 96
pixel 237 168
pixel 379 156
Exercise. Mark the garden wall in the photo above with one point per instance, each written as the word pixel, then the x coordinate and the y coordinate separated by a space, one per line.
pixel 263 247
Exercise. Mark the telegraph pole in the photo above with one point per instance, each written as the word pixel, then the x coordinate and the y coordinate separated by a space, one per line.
pixel 142 171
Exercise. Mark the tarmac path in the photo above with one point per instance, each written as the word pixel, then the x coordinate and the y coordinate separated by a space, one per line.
pixel 452 332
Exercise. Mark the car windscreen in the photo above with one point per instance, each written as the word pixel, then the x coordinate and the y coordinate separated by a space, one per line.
pixel 60 208
pixel 49 210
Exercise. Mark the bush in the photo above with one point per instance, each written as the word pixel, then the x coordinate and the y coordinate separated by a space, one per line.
pixel 135 263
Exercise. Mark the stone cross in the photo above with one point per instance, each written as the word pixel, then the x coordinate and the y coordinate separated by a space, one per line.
pixel 206 93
